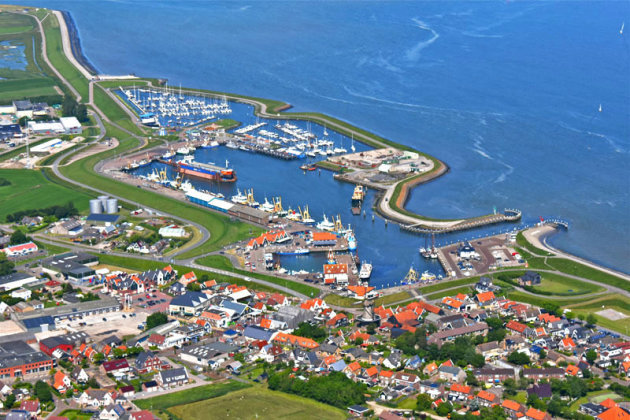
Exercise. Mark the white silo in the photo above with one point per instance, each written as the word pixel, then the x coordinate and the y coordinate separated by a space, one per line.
pixel 112 206
pixel 96 207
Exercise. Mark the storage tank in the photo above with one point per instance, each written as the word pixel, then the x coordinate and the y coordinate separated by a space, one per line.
pixel 103 199
pixel 112 206
pixel 96 207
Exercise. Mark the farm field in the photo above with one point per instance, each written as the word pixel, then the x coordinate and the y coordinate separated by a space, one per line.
pixel 30 190
pixel 257 403
pixel 201 393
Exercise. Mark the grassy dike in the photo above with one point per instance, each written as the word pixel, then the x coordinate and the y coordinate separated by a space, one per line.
pixel 223 263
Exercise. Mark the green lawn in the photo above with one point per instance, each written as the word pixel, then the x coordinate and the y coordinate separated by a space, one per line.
pixel 452 292
pixel 30 190
pixel 616 302
pixel 343 301
pixel 191 395
pixel 581 270
pixel 595 396
pixel 26 88
pixel 257 403
pixel 219 261
pixel 113 111
pixel 563 286
pixel 75 415
pixel 13 23
pixel 447 284
pixel 393 298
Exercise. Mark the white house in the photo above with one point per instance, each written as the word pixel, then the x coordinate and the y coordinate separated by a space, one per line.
pixel 21 294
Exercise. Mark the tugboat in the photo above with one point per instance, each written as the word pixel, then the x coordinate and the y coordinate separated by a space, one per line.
pixel 357 199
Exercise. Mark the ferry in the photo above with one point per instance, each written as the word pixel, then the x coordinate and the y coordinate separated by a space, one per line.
pixel 366 271
pixel 297 251
pixel 204 170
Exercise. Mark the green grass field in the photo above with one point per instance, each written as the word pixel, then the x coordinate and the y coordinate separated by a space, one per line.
pixel 256 403
pixel 192 395
pixel 393 298
pixel 452 292
pixel 540 300
pixel 343 301
pixel 521 241
pixel 563 286
pixel 75 415
pixel 219 261
pixel 26 88
pixel 113 111
pixel 616 302
pixel 581 270
pixel 30 190
pixel 432 288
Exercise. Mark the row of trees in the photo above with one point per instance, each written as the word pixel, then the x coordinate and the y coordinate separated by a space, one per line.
pixel 6 266
pixel 334 389
pixel 71 108
pixel 311 331
pixel 461 351
pixel 60 212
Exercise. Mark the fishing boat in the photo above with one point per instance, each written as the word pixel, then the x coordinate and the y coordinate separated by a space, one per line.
pixel 427 276
pixel 306 216
pixel 326 225
pixel 297 251
pixel 209 144
pixel 239 198
pixel 231 145
pixel 411 277
pixel 293 215
pixel 308 167
pixel 251 201
pixel 267 206
pixel 366 271
pixel 169 154
pixel 183 150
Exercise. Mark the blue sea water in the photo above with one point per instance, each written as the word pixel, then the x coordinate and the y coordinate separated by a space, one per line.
pixel 505 92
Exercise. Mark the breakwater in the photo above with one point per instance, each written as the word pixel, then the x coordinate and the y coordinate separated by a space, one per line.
pixel 75 44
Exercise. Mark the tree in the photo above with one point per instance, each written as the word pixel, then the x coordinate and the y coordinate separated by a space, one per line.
pixel 193 287
pixel 307 330
pixel 156 319
pixel 18 237
pixel 471 379
pixel 444 409
pixel 98 357
pixel 542 354
pixel 93 383
pixel 42 391
pixel 9 401
pixel 510 386
pixel 6 266
pixel 591 356
pixel 371 329
pixel 518 358
pixel 591 319
pixel 69 393
pixel 23 121
pixel 494 323
pixel 423 403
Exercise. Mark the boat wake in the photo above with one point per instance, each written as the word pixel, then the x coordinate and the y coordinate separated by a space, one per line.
pixel 413 54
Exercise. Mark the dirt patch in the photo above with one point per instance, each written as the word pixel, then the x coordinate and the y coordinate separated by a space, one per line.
pixel 612 314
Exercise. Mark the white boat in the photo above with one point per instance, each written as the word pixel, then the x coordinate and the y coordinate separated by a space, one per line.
pixel 352 243
pixel 232 145
pixel 427 276
pixel 621 30
pixel 239 198
pixel 186 186
pixel 366 271
pixel 311 153
pixel 600 107
pixel 326 224
pixel 267 206
pixel 293 215
pixel 183 150
pixel 169 154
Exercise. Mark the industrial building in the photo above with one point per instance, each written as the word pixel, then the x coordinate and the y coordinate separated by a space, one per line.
pixel 47 147
pixel 16 280
pixel 73 266
pixel 18 359
pixel 67 125
pixel 45 319
pixel 103 204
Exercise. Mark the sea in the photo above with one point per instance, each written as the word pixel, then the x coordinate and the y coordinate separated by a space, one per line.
pixel 507 93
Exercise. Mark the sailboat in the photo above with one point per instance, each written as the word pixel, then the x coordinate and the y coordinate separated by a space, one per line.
pixel 621 30
pixel 600 107
pixel 354 149
pixel 326 132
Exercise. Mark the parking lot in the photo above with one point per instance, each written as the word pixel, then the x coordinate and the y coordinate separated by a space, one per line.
pixel 112 323
pixel 493 252
pixel 151 302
